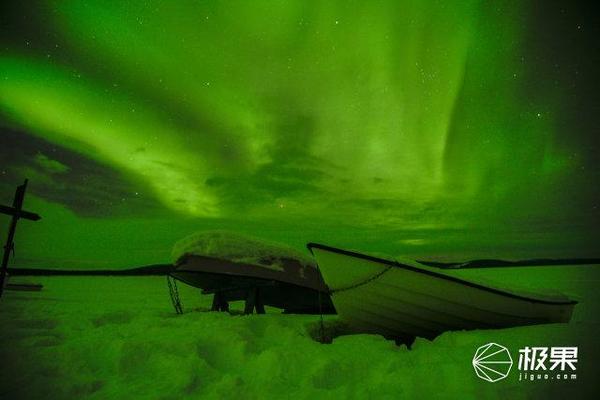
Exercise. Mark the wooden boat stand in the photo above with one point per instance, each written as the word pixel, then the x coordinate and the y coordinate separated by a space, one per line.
pixel 253 299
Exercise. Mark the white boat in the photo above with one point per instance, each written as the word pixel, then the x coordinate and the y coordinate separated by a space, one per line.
pixel 404 299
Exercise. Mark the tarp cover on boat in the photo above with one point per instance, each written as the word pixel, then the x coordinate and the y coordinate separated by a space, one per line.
pixel 239 248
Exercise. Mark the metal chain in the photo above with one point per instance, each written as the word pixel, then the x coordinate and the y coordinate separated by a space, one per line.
pixel 332 291
pixel 322 323
pixel 174 295
pixel 354 286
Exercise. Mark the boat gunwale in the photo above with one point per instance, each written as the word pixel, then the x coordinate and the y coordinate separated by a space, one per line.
pixel 198 264
pixel 435 274
pixel 264 281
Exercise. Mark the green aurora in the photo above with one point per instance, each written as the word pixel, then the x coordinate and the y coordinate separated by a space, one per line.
pixel 437 130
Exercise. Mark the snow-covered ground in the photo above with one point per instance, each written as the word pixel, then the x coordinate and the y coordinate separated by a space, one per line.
pixel 119 338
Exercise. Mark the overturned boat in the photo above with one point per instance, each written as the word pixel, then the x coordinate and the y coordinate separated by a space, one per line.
pixel 234 267
pixel 403 298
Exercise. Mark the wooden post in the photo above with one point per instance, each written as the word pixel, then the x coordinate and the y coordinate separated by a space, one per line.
pixel 260 307
pixel 250 299
pixel 253 301
pixel 16 212
pixel 219 303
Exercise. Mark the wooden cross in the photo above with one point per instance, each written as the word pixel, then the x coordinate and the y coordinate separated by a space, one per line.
pixel 16 212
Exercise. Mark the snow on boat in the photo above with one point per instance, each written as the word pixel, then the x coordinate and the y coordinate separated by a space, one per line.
pixel 236 267
pixel 404 299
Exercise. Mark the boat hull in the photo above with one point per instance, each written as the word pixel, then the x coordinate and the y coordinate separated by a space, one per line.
pixel 286 289
pixel 396 300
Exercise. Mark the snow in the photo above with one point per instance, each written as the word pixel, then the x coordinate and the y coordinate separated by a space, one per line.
pixel 118 337
pixel 239 248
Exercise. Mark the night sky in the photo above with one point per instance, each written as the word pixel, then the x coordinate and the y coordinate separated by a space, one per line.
pixel 438 130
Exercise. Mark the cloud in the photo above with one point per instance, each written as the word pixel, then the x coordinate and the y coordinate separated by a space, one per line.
pixel 81 184
pixel 406 116
pixel 52 166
